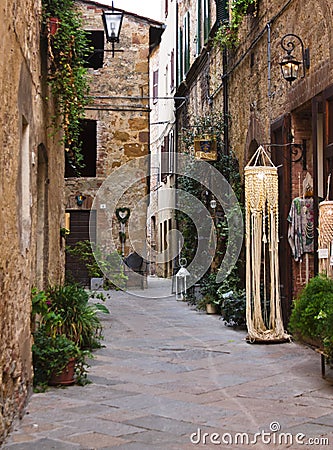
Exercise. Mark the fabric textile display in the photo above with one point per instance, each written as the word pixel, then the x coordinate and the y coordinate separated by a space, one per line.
pixel 263 306
pixel 301 227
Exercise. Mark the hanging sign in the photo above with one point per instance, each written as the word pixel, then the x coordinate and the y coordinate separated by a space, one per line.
pixel 205 148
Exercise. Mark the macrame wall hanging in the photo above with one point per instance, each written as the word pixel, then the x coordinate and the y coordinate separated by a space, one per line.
pixel 325 235
pixel 263 307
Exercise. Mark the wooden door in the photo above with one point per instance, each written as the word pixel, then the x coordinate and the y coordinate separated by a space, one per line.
pixel 79 231
pixel 280 134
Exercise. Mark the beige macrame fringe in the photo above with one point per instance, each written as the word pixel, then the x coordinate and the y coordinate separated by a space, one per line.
pixel 325 236
pixel 261 203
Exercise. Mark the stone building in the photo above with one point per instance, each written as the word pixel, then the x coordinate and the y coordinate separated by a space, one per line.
pixel 292 120
pixel 31 184
pixel 115 130
pixel 162 143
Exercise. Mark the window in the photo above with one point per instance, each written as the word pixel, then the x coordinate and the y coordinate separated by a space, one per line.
pixel 206 19
pixel 171 152
pixel 88 137
pixel 165 159
pixel 155 86
pixel 95 58
pixel 180 56
pixel 167 156
pixel 199 26
pixel 25 194
pixel 166 80
pixel 186 42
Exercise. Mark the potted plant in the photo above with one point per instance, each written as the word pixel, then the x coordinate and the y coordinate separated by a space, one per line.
pixel 209 304
pixel 53 25
pixel 78 319
pixel 99 263
pixel 311 320
pixel 54 359
pixel 66 328
pixel 233 306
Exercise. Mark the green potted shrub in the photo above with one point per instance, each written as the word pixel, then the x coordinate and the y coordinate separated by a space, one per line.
pixel 311 320
pixel 55 359
pixel 233 307
pixel 99 264
pixel 78 318
pixel 66 328
pixel 208 289
pixel 209 303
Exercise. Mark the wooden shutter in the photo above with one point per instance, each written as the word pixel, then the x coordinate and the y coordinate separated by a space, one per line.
pixel 172 69
pixel 165 158
pixel 280 134
pixel 155 85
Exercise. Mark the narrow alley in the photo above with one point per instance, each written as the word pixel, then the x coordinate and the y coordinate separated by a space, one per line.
pixel 170 377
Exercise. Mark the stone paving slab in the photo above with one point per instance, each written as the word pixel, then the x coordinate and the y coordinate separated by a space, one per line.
pixel 168 372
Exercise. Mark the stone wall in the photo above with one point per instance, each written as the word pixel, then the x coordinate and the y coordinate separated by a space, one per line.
pixel 120 106
pixel 31 186
pixel 258 96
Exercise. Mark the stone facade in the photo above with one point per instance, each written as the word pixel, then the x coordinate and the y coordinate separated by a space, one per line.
pixel 262 108
pixel 162 134
pixel 31 184
pixel 120 108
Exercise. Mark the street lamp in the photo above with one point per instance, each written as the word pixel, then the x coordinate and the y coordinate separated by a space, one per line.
pixel 112 21
pixel 290 65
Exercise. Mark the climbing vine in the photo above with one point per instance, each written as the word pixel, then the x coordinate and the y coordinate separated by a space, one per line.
pixel 227 165
pixel 227 34
pixel 67 50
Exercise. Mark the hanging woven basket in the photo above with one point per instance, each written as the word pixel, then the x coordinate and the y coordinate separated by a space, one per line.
pixel 263 306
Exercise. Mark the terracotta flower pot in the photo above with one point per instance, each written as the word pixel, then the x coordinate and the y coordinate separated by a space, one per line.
pixel 53 25
pixel 211 308
pixel 66 377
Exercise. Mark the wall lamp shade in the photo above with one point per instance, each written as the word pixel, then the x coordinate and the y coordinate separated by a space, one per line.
pixel 112 24
pixel 290 66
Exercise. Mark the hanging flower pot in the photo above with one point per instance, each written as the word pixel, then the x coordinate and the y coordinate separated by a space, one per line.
pixel 205 147
pixel 53 24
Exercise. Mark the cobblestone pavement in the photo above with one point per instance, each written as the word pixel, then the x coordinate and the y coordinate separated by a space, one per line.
pixel 169 377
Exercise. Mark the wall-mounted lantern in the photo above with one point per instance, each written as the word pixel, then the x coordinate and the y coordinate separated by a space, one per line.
pixel 290 66
pixel 112 21
pixel 80 199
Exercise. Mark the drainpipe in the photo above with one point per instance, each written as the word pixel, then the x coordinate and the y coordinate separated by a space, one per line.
pixel 222 13
pixel 269 59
